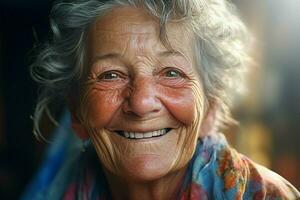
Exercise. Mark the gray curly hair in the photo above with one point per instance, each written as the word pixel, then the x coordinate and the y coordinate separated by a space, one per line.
pixel 221 48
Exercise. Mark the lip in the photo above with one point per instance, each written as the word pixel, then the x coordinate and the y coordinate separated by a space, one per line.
pixel 117 133
pixel 139 130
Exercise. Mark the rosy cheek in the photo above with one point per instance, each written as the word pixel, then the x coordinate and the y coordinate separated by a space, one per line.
pixel 181 104
pixel 101 107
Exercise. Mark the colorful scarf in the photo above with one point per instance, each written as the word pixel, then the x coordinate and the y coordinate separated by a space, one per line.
pixel 216 171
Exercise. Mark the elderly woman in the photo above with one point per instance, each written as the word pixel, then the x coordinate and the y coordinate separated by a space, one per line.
pixel 149 83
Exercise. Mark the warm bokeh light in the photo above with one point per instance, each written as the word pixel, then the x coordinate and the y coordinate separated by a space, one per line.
pixel 270 111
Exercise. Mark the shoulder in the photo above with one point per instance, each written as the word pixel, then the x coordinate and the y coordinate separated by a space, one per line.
pixel 270 184
pixel 254 180
pixel 227 174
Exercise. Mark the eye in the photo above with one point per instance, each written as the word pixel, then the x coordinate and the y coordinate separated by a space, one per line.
pixel 110 75
pixel 172 73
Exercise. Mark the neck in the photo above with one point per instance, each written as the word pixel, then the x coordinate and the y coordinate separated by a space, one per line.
pixel 166 187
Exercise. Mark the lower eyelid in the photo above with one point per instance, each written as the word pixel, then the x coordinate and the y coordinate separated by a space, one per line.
pixel 172 81
pixel 177 76
pixel 111 84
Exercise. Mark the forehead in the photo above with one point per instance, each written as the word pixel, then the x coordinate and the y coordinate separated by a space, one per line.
pixel 128 28
pixel 118 19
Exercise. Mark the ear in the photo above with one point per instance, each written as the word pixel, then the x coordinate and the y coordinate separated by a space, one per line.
pixel 72 103
pixel 208 125
pixel 78 128
pixel 76 124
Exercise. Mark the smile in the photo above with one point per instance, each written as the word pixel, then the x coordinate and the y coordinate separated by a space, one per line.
pixel 139 135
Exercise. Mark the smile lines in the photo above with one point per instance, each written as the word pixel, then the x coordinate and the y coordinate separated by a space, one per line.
pixel 137 135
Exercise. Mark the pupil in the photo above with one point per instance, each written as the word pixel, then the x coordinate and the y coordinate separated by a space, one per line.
pixel 110 76
pixel 172 74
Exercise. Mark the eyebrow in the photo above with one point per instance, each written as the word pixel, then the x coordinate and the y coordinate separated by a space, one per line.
pixel 160 54
pixel 174 53
pixel 107 56
pixel 170 53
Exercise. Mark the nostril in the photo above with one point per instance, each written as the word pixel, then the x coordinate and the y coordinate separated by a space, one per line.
pixel 142 101
pixel 144 106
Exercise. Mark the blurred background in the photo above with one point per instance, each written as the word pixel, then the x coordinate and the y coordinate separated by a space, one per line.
pixel 269 113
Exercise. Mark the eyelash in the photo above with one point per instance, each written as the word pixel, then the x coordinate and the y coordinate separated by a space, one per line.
pixel 171 69
pixel 102 75
pixel 164 72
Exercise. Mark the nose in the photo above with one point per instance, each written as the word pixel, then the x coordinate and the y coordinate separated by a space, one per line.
pixel 142 98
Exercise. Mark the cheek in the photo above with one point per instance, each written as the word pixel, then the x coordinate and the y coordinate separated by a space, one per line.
pixel 181 103
pixel 100 107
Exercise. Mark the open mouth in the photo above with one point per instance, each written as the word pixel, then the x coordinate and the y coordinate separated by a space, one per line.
pixel 138 135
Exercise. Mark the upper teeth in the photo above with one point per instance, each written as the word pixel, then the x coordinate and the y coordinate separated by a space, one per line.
pixel 138 135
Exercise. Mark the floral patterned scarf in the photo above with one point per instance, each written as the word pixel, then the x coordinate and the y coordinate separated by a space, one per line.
pixel 216 171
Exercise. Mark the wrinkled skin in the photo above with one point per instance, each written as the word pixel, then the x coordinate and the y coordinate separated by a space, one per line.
pixel 136 84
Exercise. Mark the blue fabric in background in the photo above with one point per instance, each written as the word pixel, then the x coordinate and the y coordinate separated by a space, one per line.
pixel 62 141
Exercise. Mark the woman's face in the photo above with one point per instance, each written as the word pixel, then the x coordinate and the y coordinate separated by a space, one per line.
pixel 141 103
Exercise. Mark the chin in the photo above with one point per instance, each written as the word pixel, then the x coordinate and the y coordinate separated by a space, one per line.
pixel 146 168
